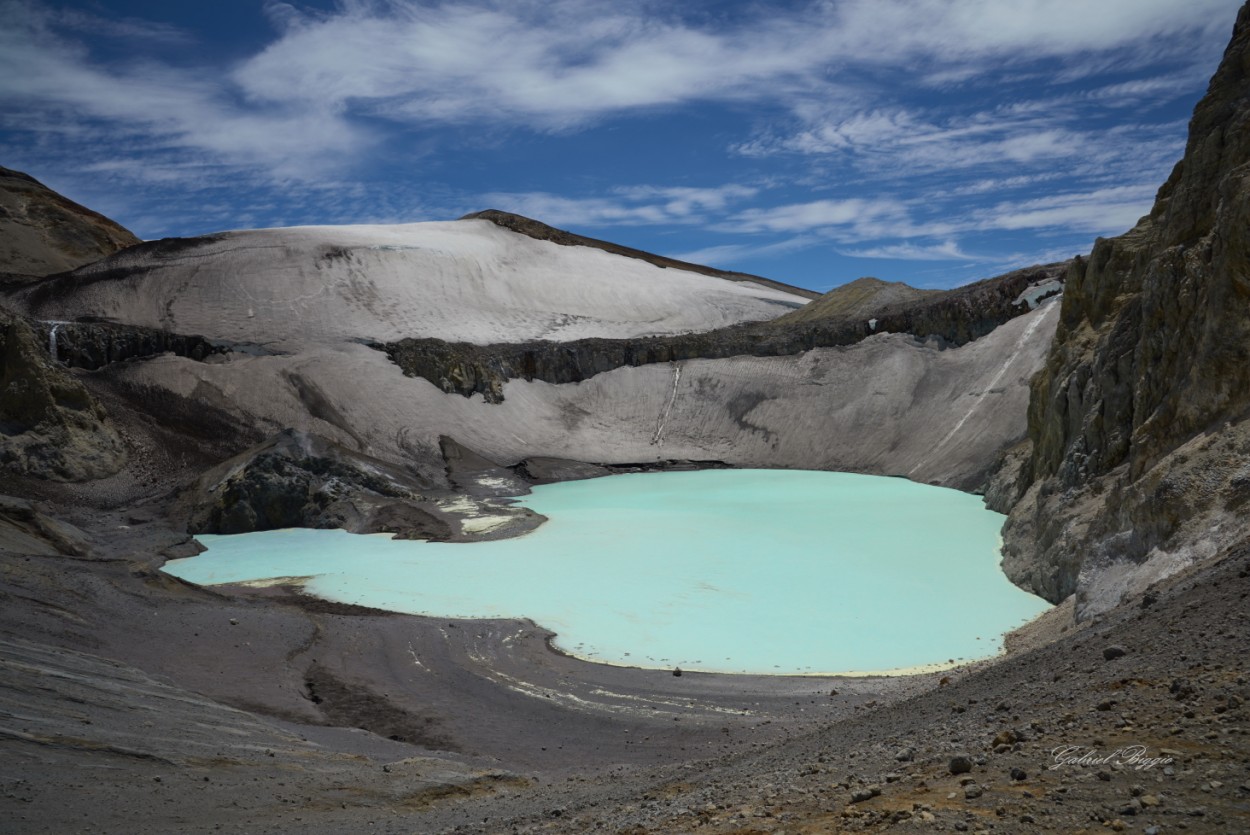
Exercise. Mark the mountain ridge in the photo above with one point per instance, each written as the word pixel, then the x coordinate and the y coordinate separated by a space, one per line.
pixel 42 232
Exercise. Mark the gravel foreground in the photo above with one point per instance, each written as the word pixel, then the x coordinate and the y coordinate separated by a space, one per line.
pixel 133 702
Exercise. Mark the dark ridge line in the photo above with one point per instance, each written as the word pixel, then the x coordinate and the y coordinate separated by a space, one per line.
pixel 64 201
pixel 541 231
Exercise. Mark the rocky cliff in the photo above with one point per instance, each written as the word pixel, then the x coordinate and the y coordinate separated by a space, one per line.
pixel 1139 456
pixel 42 232
pixel 50 425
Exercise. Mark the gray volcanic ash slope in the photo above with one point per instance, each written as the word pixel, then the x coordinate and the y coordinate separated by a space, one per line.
pixel 265 710
pixel 468 280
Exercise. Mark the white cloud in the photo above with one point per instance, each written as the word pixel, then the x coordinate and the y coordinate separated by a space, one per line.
pixel 725 254
pixel 296 106
pixel 1105 211
pixel 623 206
pixel 558 65
pixel 127 28
pixel 54 79
pixel 818 214
pixel 946 251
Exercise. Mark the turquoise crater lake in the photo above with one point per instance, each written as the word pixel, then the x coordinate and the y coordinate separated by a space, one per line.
pixel 756 571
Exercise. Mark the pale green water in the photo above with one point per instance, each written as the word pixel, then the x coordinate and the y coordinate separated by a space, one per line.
pixel 762 571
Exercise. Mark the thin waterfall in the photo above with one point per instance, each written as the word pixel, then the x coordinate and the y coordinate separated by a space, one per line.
pixel 52 346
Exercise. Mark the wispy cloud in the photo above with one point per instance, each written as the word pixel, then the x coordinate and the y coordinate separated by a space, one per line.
pixel 1105 211
pixel 624 205
pixel 727 254
pixel 552 65
pixel 819 214
pixel 161 107
pixel 947 251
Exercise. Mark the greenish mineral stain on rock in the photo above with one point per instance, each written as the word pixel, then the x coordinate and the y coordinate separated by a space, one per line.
pixel 759 571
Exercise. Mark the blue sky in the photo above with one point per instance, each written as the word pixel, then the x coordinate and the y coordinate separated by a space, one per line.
pixel 934 142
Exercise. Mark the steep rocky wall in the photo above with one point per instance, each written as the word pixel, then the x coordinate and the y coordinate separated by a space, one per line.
pixel 90 345
pixel 50 425
pixel 1140 456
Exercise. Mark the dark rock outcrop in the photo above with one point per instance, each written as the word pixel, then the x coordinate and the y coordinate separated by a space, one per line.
pixel 50 425
pixel 955 317
pixel 93 345
pixel 297 479
pixel 42 232
pixel 546 470
pixel 1138 424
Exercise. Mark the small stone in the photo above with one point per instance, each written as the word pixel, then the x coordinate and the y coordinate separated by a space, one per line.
pixel 1007 737
pixel 1027 819
pixel 960 826
pixel 905 755
pixel 234 621
pixel 960 764
pixel 1149 800
pixel 677 671
pixel 973 791
pixel 865 793
pixel 1118 825
pixel 1018 774
pixel 1113 652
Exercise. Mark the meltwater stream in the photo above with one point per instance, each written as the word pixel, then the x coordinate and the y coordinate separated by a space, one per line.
pixel 756 571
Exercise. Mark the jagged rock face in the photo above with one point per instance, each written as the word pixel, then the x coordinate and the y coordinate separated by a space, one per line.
pixel 50 426
pixel 300 480
pixel 42 232
pixel 91 345
pixel 1140 445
